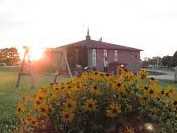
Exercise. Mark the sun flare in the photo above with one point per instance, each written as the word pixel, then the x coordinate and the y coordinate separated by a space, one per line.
pixel 35 53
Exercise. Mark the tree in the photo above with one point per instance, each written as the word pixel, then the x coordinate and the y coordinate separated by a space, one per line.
pixel 9 56
pixel 167 61
pixel 175 59
pixel 156 60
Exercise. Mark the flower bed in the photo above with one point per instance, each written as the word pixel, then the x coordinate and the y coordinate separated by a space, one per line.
pixel 96 102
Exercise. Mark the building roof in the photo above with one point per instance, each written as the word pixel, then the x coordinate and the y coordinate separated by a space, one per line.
pixel 89 43
pixel 99 45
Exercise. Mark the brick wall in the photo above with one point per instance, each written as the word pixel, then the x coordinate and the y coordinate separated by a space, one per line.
pixel 131 58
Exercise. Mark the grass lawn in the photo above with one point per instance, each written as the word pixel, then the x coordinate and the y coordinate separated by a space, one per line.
pixel 9 94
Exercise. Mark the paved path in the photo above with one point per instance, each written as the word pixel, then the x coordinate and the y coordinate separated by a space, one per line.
pixel 165 75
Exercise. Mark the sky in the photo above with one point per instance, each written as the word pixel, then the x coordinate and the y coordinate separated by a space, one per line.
pixel 150 25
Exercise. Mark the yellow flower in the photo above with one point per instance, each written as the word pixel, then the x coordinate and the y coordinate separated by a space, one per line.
pixel 20 108
pixel 37 102
pixel 90 105
pixel 142 74
pixel 118 86
pixel 31 120
pixel 70 105
pixel 67 116
pixel 41 94
pixel 94 90
pixel 113 110
pixel 44 109
pixel 154 89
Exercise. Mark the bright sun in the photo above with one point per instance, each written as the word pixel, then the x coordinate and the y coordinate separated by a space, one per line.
pixel 35 53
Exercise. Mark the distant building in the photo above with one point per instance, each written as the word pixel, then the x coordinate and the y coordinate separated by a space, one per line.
pixel 101 55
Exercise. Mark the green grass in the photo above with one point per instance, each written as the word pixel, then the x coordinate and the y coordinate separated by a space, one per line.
pixel 9 94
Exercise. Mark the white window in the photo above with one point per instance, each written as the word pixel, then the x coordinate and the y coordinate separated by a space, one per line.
pixel 105 53
pixel 94 57
pixel 115 55
pixel 105 58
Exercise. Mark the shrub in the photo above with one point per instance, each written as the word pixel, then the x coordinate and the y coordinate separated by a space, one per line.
pixel 97 102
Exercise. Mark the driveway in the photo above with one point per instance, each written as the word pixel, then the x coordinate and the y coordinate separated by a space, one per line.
pixel 165 75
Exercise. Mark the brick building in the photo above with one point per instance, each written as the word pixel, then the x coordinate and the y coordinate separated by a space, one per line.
pixel 101 55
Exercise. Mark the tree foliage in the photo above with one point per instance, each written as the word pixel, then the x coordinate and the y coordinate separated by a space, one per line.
pixel 167 61
pixel 175 59
pixel 9 56
pixel 152 61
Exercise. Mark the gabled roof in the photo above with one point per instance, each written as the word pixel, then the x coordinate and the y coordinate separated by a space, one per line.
pixel 99 45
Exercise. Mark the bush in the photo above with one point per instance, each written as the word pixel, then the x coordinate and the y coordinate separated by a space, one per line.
pixel 97 102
